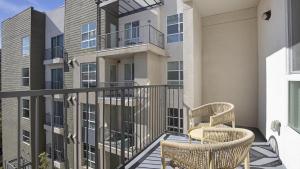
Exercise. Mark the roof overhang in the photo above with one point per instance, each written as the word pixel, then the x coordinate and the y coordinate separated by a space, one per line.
pixel 122 8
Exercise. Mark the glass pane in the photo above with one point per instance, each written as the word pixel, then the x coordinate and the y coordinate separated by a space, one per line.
pixel 172 19
pixel 92 76
pixel 84 67
pixel 92 84
pixel 181 17
pixel 26 103
pixel 128 72
pixel 92 43
pixel 173 38
pixel 92 26
pixel 85 76
pixel 181 27
pixel 84 28
pixel 173 66
pixel 294 105
pixel 173 29
pixel 25 72
pixel 173 75
pixel 92 67
pixel 92 35
pixel 85 84
pixel 181 75
pixel 85 36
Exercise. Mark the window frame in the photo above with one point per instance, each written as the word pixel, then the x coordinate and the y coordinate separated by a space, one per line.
pixel 178 23
pixel 22 50
pixel 179 70
pixel 25 77
pixel 26 109
pixel 87 148
pixel 88 32
pixel 25 137
pixel 89 81
pixel 88 113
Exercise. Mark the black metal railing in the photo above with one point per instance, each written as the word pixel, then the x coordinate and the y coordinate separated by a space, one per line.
pixel 54 84
pixel 55 52
pixel 119 126
pixel 133 36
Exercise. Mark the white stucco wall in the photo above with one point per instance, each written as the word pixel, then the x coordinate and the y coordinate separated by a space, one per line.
pixel 54 24
pixel 230 62
pixel 273 67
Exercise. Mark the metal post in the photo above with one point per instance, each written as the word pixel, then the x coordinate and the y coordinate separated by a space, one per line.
pixel 96 130
pixel 37 132
pixel 98 25
pixel 66 130
pixel 122 127
pixel 52 131
pixel 19 133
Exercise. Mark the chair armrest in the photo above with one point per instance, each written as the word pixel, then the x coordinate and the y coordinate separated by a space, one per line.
pixel 223 118
pixel 198 114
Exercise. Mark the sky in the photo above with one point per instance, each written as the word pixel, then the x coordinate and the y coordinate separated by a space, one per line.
pixel 9 8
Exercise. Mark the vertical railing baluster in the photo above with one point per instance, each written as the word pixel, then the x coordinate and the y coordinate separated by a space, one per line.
pixel 144 128
pixel 165 109
pixel 77 130
pixel 128 135
pixel 37 131
pixel 97 131
pixel 110 112
pixel 87 129
pixel 52 131
pixel 178 109
pixel 135 117
pixel 122 126
pixel 19 134
pixel 103 129
pixel 152 111
pixel 140 112
pixel 66 130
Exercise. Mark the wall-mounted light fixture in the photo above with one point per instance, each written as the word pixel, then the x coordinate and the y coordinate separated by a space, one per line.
pixel 267 15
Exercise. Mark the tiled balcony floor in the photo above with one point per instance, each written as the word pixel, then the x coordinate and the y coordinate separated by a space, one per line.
pixel 261 155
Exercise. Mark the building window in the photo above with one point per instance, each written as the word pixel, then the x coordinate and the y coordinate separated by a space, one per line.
pixel 175 28
pixel 57 44
pixel 174 119
pixel 25 108
pixel 175 73
pixel 58 110
pixel 88 116
pixel 57 76
pixel 88 35
pixel 294 105
pixel 132 33
pixel 89 155
pixel 25 77
pixel 26 46
pixel 129 72
pixel 26 137
pixel 88 75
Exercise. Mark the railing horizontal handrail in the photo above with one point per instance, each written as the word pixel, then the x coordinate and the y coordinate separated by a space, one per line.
pixel 10 94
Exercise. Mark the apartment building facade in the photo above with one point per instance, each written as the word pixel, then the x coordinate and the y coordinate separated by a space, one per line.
pixel 142 47
pixel 23 43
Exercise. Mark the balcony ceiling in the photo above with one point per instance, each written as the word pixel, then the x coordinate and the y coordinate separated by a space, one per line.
pixel 214 7
pixel 122 8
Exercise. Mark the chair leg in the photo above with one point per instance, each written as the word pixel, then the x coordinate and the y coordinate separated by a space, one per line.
pixel 163 163
pixel 247 162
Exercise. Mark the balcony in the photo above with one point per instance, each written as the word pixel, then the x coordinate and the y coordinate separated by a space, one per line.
pixel 58 123
pixel 126 136
pixel 133 40
pixel 54 85
pixel 54 55
pixel 58 155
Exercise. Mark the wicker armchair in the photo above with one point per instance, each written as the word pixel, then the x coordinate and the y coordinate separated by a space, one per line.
pixel 230 148
pixel 212 114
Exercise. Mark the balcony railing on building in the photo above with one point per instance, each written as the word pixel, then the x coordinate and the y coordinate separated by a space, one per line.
pixel 54 52
pixel 118 132
pixel 133 36
pixel 54 85
pixel 58 153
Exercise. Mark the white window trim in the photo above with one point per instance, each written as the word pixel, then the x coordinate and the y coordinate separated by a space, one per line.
pixel 88 32
pixel 88 112
pixel 178 71
pixel 178 23
pixel 88 72
pixel 23 136
pixel 27 118
pixel 25 77
pixel 24 55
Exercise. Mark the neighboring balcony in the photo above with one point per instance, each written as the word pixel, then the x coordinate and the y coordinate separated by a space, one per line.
pixel 58 123
pixel 54 85
pixel 58 155
pixel 133 40
pixel 54 55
